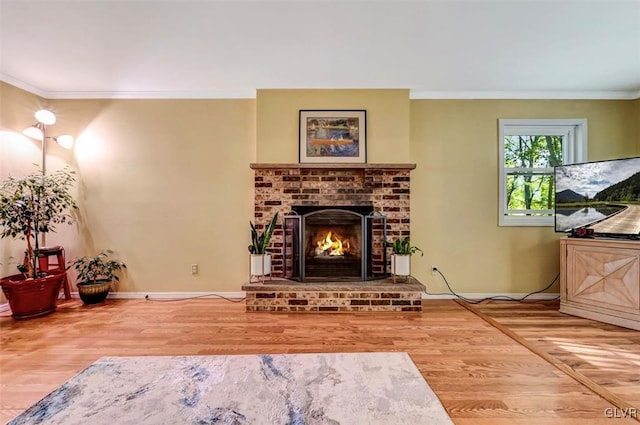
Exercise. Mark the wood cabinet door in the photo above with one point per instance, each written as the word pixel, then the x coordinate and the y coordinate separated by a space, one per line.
pixel 604 277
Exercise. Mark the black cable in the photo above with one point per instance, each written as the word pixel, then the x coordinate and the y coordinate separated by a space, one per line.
pixel 495 298
pixel 233 300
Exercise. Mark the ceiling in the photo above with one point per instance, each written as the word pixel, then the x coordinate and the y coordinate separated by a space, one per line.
pixel 210 49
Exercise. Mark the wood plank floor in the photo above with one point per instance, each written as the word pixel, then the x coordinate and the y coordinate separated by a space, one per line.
pixel 482 376
pixel 606 354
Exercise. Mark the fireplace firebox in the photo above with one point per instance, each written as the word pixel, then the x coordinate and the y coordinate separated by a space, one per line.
pixel 335 243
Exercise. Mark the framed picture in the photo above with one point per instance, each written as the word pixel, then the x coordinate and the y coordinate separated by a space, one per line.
pixel 333 136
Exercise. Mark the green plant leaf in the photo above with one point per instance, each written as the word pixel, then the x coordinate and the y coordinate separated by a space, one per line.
pixel 403 247
pixel 259 243
pixel 100 266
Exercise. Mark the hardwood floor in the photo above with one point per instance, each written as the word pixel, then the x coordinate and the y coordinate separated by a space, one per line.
pixel 607 355
pixel 481 375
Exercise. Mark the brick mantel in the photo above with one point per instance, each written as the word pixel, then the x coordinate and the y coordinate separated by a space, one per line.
pixel 333 166
pixel 383 187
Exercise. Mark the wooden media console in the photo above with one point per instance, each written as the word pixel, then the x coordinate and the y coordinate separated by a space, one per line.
pixel 600 280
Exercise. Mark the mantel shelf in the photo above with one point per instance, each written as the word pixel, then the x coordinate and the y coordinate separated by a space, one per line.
pixel 262 166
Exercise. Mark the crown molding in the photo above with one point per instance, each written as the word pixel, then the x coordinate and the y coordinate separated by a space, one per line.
pixel 251 94
pixel 551 95
pixel 213 94
pixel 221 94
pixel 22 85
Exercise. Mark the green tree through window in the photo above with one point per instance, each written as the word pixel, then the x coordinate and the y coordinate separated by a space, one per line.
pixel 528 188
pixel 529 149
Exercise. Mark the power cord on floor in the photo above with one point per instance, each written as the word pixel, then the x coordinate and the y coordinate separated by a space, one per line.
pixel 232 300
pixel 496 297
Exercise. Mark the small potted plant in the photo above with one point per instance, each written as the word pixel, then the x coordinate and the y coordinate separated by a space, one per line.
pixel 30 206
pixel 260 263
pixel 95 275
pixel 401 257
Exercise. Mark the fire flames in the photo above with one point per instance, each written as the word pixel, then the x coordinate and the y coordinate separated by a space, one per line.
pixel 328 246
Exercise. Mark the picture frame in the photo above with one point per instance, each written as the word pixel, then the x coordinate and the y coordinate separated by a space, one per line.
pixel 333 136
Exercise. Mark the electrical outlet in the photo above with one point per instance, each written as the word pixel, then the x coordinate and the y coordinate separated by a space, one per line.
pixel 194 269
pixel 434 270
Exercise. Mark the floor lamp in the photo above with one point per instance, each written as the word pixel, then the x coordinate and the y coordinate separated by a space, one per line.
pixel 38 131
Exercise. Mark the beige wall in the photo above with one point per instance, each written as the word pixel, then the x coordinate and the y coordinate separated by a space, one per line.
pixel 387 121
pixel 637 123
pixel 164 183
pixel 454 193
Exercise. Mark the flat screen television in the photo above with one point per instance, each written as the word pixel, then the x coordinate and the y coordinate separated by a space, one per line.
pixel 600 198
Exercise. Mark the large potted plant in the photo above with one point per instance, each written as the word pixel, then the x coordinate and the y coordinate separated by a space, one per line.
pixel 96 274
pixel 30 206
pixel 401 257
pixel 260 262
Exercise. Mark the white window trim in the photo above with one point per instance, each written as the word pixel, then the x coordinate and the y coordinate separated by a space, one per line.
pixel 575 152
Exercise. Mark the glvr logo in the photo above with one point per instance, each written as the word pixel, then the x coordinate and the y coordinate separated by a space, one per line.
pixel 624 412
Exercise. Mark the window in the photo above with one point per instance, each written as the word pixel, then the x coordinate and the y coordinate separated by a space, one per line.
pixel 529 149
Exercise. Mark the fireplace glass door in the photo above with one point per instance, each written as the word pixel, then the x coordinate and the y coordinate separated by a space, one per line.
pixel 333 245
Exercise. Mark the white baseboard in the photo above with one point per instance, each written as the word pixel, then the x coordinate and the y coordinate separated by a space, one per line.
pixel 171 295
pixel 517 296
pixel 242 294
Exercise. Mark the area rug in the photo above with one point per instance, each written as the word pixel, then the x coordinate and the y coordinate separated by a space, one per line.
pixel 291 389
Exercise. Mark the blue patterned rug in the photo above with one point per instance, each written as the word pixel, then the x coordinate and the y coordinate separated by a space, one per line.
pixel 286 389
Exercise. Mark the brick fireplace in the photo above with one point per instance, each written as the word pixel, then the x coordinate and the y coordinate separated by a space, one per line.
pixel 382 190
pixel 282 187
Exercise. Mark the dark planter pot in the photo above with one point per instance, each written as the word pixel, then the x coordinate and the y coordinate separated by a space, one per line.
pixel 94 293
pixel 32 297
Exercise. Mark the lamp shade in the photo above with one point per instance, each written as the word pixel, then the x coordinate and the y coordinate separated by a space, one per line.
pixel 33 132
pixel 46 117
pixel 65 140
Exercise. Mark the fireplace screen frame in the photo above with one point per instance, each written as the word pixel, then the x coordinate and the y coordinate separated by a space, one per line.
pixel 293 250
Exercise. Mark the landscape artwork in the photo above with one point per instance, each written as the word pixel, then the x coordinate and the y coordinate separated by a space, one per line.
pixel 602 196
pixel 329 136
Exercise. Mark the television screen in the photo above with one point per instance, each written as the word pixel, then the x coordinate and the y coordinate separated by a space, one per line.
pixel 602 196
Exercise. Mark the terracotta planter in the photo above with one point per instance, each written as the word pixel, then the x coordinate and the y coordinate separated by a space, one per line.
pixel 94 293
pixel 32 297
